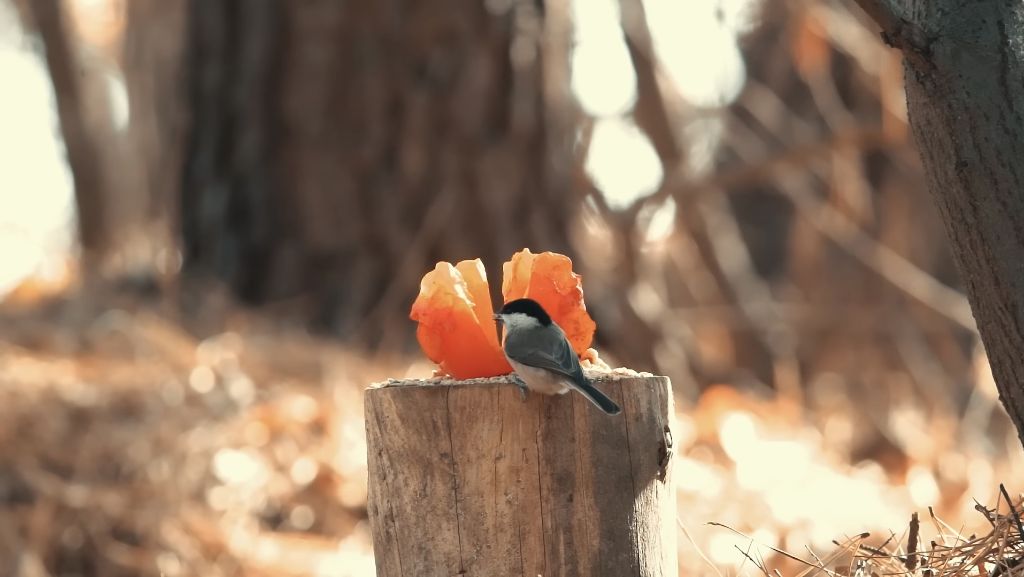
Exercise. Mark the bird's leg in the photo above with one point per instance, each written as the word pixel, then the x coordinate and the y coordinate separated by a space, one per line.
pixel 521 386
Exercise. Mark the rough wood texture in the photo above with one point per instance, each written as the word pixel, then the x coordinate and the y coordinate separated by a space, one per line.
pixel 964 69
pixel 466 479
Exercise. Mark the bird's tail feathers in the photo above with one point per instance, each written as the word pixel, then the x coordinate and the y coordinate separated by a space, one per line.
pixel 597 397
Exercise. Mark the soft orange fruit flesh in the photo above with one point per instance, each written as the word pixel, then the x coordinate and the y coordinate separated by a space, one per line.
pixel 547 278
pixel 456 326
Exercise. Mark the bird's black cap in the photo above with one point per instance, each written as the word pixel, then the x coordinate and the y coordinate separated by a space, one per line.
pixel 527 307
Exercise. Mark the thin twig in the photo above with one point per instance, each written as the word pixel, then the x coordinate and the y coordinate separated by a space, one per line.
pixel 915 530
pixel 700 552
pixel 1013 510
pixel 897 31
pixel 883 12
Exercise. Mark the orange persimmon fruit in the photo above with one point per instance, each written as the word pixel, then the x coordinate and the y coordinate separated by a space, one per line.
pixel 456 327
pixel 456 321
pixel 548 279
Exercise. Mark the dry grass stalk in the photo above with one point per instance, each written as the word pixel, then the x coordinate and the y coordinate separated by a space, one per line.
pixel 998 553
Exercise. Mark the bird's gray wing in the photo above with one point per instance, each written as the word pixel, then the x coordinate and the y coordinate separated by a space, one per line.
pixel 551 350
pixel 546 350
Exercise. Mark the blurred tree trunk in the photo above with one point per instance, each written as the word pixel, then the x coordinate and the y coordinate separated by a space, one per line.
pixel 82 145
pixel 965 98
pixel 338 150
pixel 152 63
pixel 116 200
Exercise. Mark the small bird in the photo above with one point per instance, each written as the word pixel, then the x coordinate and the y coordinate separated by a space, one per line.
pixel 541 355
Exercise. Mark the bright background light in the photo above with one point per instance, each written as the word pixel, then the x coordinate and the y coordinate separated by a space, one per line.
pixel 697 54
pixel 36 202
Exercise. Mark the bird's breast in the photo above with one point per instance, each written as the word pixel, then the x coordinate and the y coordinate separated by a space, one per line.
pixel 540 380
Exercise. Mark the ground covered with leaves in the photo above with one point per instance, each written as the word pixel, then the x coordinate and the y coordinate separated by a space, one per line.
pixel 131 446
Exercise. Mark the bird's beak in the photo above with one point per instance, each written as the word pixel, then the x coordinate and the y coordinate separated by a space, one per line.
pixel 497 318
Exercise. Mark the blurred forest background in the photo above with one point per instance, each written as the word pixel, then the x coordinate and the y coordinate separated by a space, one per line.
pixel 215 215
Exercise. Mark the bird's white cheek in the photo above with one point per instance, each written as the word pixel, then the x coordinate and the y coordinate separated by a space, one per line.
pixel 539 380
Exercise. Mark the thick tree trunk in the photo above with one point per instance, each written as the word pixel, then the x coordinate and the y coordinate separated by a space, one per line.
pixel 341 149
pixel 466 479
pixel 965 95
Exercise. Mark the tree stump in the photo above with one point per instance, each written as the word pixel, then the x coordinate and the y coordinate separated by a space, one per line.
pixel 467 479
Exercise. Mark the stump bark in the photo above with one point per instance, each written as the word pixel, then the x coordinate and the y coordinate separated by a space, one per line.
pixel 467 479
